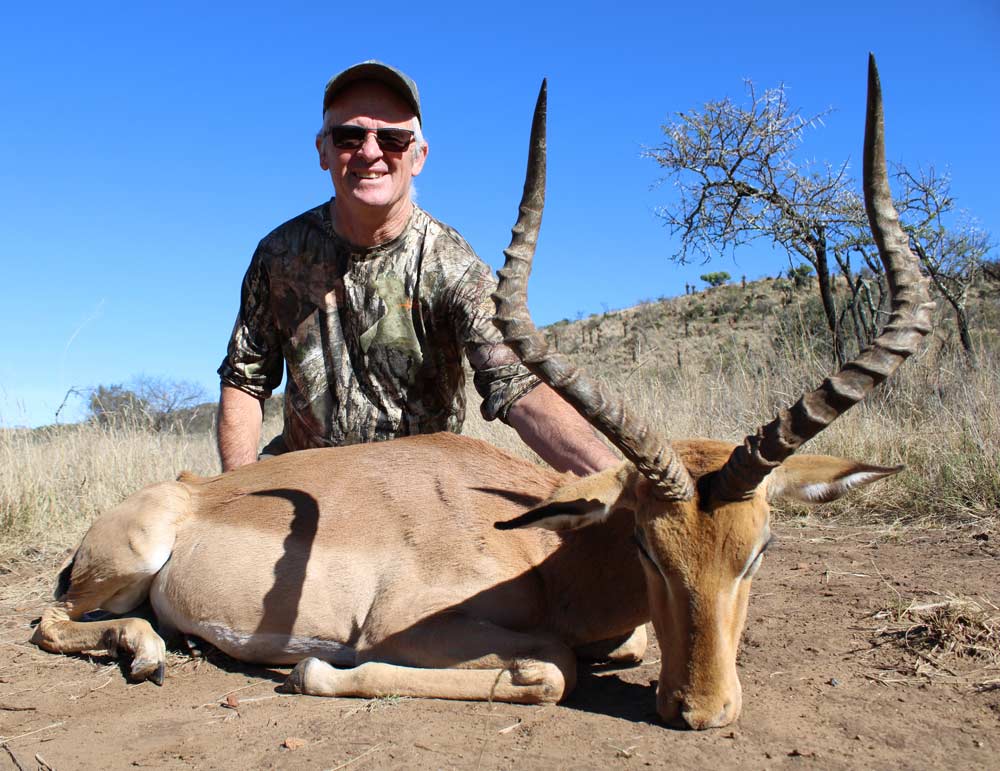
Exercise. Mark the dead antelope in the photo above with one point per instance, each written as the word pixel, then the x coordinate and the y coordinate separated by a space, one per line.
pixel 428 582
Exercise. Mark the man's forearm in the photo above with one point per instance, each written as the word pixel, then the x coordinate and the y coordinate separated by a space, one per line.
pixel 561 437
pixel 238 430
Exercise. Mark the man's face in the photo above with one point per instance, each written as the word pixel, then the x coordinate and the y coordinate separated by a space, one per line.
pixel 369 178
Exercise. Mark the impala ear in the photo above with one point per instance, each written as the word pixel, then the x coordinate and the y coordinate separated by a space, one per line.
pixel 822 478
pixel 582 502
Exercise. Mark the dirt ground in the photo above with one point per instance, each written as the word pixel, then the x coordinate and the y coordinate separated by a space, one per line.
pixel 835 672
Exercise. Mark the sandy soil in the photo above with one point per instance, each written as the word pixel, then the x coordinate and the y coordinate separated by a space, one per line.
pixel 825 686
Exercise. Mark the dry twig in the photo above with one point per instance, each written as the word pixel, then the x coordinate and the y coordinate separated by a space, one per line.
pixel 4 741
pixel 944 635
pixel 13 757
pixel 357 758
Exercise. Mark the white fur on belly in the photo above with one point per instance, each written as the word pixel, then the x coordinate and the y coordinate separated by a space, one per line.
pixel 258 647
pixel 270 648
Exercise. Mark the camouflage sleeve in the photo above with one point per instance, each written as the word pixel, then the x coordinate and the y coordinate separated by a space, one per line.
pixel 254 361
pixel 500 377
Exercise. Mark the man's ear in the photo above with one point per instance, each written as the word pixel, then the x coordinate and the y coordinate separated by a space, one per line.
pixel 822 478
pixel 582 502
pixel 323 164
pixel 420 158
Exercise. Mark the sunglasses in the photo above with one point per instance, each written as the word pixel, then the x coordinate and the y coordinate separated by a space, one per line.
pixel 392 140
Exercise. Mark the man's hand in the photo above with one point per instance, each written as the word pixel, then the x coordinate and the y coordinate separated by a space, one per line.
pixel 240 418
pixel 561 437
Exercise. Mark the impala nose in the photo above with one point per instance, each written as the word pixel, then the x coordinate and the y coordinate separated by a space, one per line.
pixel 700 719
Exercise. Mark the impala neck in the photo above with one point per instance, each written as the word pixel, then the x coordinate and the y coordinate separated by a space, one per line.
pixel 594 583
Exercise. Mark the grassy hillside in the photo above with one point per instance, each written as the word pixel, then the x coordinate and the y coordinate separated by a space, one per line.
pixel 716 363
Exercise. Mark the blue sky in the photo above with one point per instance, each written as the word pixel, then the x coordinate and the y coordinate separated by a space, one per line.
pixel 145 150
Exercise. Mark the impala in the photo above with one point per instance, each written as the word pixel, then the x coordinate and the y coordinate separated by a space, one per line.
pixel 439 566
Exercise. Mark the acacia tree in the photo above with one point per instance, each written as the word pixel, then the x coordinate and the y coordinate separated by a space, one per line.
pixel 738 179
pixel 171 402
pixel 953 258
pixel 857 260
pixel 950 245
pixel 147 402
pixel 717 278
pixel 800 274
pixel 116 405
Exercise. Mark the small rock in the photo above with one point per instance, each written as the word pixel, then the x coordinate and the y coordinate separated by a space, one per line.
pixel 294 743
pixel 834 682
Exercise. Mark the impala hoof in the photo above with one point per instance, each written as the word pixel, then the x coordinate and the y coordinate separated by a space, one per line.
pixel 296 681
pixel 530 672
pixel 143 669
pixel 540 681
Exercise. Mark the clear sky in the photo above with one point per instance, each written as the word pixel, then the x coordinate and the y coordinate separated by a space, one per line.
pixel 144 150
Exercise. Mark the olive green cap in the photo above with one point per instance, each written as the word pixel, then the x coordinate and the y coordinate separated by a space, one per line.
pixel 380 72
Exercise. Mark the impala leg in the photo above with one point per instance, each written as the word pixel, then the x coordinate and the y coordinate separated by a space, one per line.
pixel 60 632
pixel 626 650
pixel 523 682
pixel 112 570
pixel 450 657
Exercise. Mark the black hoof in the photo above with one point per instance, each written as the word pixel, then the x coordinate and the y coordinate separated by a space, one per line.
pixel 295 682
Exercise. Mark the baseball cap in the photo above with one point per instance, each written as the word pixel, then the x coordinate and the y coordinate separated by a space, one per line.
pixel 378 71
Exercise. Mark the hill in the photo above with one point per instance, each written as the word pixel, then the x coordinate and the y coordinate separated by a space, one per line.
pixel 715 363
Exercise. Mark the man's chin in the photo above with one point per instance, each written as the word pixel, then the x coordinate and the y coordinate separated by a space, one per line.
pixel 369 197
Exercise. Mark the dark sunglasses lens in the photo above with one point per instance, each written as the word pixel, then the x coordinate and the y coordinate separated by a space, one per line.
pixel 394 140
pixel 347 137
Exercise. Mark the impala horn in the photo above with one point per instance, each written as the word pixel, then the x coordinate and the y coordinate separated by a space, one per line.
pixel 654 457
pixel 909 321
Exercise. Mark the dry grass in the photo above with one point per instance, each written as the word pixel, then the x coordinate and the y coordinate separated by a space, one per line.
pixel 957 639
pixel 54 481
pixel 938 416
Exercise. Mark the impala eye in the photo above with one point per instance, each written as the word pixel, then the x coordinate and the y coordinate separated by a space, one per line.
pixel 638 540
pixel 640 544
pixel 755 564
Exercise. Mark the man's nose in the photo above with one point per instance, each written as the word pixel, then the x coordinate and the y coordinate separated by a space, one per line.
pixel 370 150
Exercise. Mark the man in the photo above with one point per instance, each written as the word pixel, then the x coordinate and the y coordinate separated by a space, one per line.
pixel 369 303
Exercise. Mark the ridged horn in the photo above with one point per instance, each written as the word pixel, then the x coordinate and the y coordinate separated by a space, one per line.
pixel 653 457
pixel 909 321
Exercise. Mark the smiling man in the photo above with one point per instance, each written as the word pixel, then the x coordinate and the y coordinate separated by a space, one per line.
pixel 369 303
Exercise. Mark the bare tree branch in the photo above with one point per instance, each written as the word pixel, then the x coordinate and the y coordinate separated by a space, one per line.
pixel 737 179
pixel 953 258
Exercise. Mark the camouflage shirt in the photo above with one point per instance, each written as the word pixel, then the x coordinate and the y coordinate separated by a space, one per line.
pixel 372 338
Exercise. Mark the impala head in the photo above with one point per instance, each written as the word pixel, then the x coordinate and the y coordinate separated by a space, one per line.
pixel 701 507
